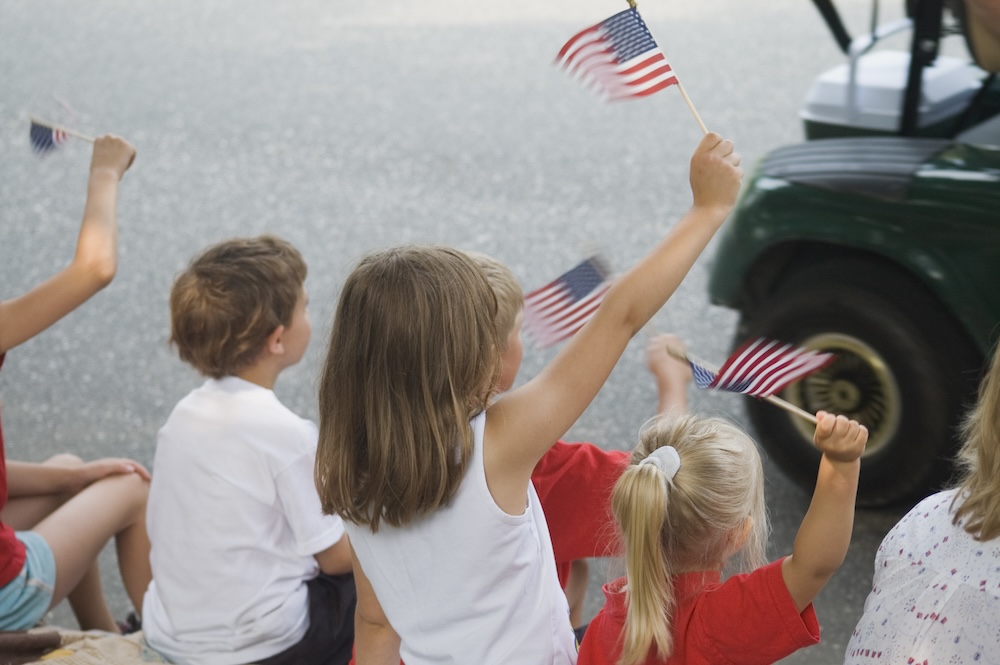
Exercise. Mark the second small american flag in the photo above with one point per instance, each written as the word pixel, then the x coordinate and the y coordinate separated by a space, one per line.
pixel 560 308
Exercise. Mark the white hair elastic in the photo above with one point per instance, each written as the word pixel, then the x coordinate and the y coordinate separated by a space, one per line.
pixel 665 459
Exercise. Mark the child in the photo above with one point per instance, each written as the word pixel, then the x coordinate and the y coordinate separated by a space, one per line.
pixel 574 480
pixel 693 498
pixel 246 568
pixel 57 516
pixel 936 593
pixel 452 555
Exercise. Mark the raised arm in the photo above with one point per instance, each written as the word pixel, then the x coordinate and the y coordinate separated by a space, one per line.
pixel 525 422
pixel 96 258
pixel 825 533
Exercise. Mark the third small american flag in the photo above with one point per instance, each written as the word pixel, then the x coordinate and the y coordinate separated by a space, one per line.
pixel 618 57
pixel 560 308
pixel 761 368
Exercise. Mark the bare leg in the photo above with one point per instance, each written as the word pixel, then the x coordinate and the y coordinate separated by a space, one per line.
pixel 87 600
pixel 78 530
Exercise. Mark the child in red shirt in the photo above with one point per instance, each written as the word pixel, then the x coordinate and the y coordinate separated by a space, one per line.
pixel 57 516
pixel 691 499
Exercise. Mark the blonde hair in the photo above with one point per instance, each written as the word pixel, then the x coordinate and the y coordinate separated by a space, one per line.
pixel 688 523
pixel 979 461
pixel 414 353
pixel 230 298
pixel 510 296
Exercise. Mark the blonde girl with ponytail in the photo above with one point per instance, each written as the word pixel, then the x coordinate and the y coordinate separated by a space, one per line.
pixel 691 504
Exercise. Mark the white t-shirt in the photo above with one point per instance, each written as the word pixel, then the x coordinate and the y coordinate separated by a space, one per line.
pixel 936 594
pixel 234 520
pixel 470 583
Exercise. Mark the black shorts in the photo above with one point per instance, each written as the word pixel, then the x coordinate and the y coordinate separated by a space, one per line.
pixel 330 636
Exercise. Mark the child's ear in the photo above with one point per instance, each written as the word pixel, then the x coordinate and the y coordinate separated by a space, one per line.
pixel 275 344
pixel 738 538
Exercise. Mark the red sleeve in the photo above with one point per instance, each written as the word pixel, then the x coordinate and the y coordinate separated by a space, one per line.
pixel 719 627
pixel 574 483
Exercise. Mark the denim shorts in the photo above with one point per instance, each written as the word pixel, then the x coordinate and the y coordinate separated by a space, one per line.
pixel 26 598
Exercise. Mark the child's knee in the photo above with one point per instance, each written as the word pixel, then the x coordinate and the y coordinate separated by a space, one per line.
pixel 65 460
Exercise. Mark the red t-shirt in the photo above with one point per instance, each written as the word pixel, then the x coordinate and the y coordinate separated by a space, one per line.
pixel 747 620
pixel 574 482
pixel 11 549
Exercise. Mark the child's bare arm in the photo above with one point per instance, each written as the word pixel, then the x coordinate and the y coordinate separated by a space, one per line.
pixel 32 479
pixel 96 258
pixel 672 376
pixel 336 559
pixel 825 533
pixel 535 415
pixel 375 641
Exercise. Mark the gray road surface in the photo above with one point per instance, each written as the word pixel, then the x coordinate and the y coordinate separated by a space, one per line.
pixel 346 126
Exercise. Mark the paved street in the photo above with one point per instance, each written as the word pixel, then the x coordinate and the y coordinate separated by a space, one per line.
pixel 346 126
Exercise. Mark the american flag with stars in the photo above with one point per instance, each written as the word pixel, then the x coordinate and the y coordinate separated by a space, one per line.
pixel 761 368
pixel 618 57
pixel 557 310
pixel 44 138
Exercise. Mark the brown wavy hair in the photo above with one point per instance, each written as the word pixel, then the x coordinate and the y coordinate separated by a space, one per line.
pixel 414 353
pixel 230 298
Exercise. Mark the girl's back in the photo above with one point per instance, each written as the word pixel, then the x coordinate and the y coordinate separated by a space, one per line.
pixel 441 575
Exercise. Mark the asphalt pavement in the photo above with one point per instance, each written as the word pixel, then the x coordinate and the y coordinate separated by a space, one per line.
pixel 347 126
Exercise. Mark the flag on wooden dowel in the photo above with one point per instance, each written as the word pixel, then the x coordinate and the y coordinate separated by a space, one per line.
pixel 44 138
pixel 619 58
pixel 555 311
pixel 760 368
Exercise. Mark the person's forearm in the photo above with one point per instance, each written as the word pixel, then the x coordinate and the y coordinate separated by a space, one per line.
pixel 97 247
pixel 30 479
pixel 825 533
pixel 375 644
pixel 663 269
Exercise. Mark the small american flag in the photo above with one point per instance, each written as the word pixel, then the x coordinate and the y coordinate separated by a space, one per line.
pixel 560 308
pixel 618 57
pixel 761 368
pixel 45 138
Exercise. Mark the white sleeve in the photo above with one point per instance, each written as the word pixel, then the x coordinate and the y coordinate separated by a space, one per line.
pixel 313 531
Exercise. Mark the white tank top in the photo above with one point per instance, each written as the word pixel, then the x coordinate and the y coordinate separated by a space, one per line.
pixel 470 583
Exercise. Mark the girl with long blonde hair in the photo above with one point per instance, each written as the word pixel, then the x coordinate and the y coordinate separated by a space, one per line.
pixel 690 503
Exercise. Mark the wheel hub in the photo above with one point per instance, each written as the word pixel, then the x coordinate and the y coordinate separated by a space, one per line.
pixel 858 384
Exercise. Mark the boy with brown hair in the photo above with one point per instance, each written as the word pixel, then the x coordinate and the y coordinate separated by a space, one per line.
pixel 246 568
pixel 574 480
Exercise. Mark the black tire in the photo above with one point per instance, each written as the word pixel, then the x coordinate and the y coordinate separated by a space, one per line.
pixel 904 369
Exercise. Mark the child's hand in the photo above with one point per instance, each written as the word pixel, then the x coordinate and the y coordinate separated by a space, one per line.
pixel 839 438
pixel 672 375
pixel 111 466
pixel 715 173
pixel 113 153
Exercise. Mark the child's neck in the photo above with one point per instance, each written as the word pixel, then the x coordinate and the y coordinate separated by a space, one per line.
pixel 262 374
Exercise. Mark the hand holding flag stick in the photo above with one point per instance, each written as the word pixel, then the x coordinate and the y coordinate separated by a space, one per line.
pixel 760 368
pixel 620 59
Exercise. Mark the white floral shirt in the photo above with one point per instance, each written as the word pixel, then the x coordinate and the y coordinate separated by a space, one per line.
pixel 935 598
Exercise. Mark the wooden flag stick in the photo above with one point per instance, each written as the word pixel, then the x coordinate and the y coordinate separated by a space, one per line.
pixel 773 399
pixel 66 130
pixel 694 112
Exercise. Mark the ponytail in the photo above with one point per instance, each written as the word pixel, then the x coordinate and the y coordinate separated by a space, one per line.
pixel 692 483
pixel 639 503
